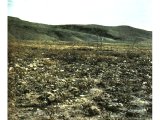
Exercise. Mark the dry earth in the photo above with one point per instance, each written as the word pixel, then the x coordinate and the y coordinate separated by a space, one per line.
pixel 79 83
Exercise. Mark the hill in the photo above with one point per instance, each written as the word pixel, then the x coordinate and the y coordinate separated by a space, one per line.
pixel 23 30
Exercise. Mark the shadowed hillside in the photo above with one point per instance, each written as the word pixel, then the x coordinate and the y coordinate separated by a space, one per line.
pixel 24 30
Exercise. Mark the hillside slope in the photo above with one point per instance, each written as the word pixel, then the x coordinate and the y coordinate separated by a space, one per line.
pixel 24 30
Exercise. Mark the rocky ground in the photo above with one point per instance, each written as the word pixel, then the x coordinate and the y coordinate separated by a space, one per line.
pixel 46 83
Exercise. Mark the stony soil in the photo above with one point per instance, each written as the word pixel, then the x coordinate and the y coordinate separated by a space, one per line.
pixel 79 84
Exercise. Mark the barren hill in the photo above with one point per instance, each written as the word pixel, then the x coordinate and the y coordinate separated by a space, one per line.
pixel 24 30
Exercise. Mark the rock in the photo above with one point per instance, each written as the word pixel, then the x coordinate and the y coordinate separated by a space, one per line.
pixel 40 65
pixel 26 69
pixel 11 69
pixel 51 97
pixel 144 83
pixel 17 65
pixel 82 95
pixel 93 110
pixel 139 102
pixel 32 97
pixel 32 65
pixel 40 112
pixel 136 112
pixel 114 107
pixel 75 91
pixel 61 70
pixel 24 83
pixel 82 100
pixel 35 68
pixel 95 92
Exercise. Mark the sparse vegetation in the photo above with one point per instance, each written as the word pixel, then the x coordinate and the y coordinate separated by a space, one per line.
pixel 24 30
pixel 78 72
pixel 59 81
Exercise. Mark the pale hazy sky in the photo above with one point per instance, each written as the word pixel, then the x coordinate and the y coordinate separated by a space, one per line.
pixel 136 13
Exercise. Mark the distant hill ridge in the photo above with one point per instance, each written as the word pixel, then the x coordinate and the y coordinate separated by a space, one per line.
pixel 24 30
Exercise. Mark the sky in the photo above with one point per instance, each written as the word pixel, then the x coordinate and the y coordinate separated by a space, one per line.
pixel 136 13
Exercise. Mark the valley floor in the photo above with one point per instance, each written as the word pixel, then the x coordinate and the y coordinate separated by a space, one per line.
pixel 65 81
